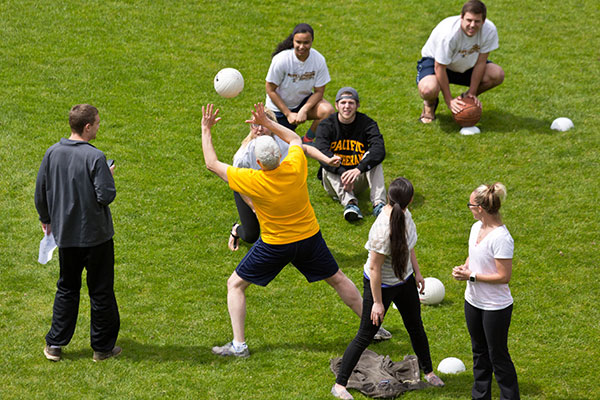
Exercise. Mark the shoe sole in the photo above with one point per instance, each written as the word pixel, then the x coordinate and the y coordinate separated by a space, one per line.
pixel 231 355
pixel 50 356
pixel 95 359
pixel 352 216
pixel 380 338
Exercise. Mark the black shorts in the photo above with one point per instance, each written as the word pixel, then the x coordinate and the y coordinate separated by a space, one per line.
pixel 282 119
pixel 310 256
pixel 426 66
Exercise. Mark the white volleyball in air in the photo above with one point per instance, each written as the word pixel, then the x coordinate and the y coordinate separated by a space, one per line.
pixel 434 291
pixel 451 365
pixel 562 124
pixel 229 82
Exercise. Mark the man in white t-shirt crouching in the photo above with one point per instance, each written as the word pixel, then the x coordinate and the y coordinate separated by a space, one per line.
pixel 457 52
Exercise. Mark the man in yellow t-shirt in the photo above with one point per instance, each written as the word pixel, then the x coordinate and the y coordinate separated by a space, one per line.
pixel 290 232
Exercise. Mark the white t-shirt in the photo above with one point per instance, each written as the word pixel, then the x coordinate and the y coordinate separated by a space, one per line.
pixel 296 79
pixel 379 242
pixel 498 244
pixel 449 45
pixel 245 157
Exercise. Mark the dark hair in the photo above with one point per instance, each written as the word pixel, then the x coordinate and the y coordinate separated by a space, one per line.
pixel 288 43
pixel 400 194
pixel 474 7
pixel 81 115
pixel 490 197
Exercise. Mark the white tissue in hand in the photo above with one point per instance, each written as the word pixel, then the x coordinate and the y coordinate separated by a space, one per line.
pixel 47 246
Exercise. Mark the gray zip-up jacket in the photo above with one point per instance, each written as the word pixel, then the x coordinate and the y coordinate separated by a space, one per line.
pixel 73 190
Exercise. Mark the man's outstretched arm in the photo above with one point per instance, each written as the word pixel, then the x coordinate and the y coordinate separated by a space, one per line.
pixel 209 119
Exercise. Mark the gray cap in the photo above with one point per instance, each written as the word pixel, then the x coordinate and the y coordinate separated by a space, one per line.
pixel 353 94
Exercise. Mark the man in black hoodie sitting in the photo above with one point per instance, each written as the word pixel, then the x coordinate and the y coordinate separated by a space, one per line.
pixel 356 139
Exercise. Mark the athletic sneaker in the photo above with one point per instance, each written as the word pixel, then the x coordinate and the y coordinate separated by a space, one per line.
pixel 382 334
pixel 103 355
pixel 377 209
pixel 434 380
pixel 352 213
pixel 52 353
pixel 229 350
pixel 342 394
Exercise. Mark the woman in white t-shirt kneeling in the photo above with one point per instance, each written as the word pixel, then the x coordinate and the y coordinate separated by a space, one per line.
pixel 296 81
pixel 488 301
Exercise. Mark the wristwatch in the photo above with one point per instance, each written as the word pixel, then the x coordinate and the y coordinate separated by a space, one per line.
pixel 473 277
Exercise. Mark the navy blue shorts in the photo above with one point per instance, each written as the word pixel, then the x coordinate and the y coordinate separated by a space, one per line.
pixel 426 66
pixel 282 119
pixel 310 256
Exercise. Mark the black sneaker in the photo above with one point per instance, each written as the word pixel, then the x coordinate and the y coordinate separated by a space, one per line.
pixel 352 213
pixel 52 353
pixel 103 355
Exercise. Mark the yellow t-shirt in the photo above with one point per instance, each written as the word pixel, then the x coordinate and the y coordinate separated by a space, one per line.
pixel 280 198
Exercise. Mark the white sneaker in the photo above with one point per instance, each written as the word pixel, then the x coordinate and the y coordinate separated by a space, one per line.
pixel 229 350
pixel 342 394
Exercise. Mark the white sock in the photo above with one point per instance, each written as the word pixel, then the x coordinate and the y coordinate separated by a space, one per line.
pixel 239 346
pixel 54 347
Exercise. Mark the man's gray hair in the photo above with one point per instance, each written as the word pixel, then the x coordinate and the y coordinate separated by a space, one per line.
pixel 266 150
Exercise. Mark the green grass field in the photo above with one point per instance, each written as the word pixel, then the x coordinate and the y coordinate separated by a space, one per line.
pixel 149 65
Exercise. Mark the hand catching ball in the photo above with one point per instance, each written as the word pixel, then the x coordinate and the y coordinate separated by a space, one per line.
pixel 470 113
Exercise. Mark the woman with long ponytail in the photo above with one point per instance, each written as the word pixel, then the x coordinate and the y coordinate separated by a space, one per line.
pixel 391 274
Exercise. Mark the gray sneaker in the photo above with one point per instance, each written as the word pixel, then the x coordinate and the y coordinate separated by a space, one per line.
pixel 52 353
pixel 377 209
pixel 228 350
pixel 352 213
pixel 382 334
pixel 103 355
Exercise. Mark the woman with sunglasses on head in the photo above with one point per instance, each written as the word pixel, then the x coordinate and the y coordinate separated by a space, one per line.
pixel 296 81
pixel 391 274
pixel 249 229
pixel 488 301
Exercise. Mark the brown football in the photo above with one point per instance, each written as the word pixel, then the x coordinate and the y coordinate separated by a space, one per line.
pixel 469 115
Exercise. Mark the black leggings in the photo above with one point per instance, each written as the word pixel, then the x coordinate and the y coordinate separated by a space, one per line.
pixel 406 299
pixel 489 338
pixel 249 229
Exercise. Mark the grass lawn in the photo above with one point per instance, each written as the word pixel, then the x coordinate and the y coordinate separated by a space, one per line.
pixel 149 65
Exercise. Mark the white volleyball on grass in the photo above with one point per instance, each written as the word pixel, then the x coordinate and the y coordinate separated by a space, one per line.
pixel 562 124
pixel 434 291
pixel 451 365
pixel 229 82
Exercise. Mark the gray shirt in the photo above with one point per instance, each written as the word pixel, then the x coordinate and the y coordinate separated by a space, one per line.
pixel 73 190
